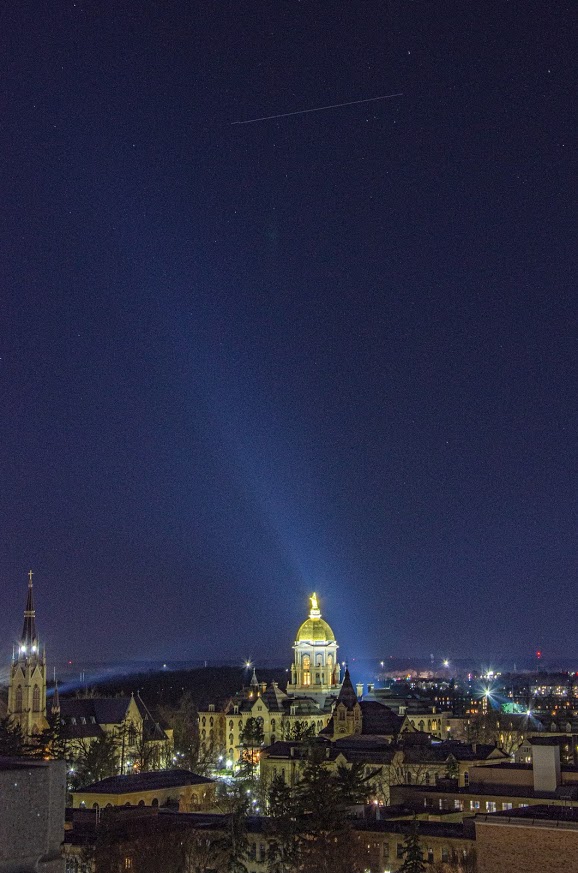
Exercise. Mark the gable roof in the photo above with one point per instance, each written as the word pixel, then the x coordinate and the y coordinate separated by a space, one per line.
pixel 274 698
pixel 379 719
pixel 105 710
pixel 150 781
pixel 347 695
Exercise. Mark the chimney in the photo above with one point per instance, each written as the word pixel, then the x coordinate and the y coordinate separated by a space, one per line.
pixel 359 689
pixel 370 687
pixel 545 763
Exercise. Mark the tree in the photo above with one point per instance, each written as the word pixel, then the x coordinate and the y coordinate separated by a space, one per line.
pixel 50 743
pixel 459 862
pixel 300 730
pixel 183 719
pixel 234 843
pixel 284 827
pixel 97 760
pixel 12 741
pixel 309 830
pixel 412 853
pixel 205 852
pixel 252 738
pixel 353 785
pixel 497 729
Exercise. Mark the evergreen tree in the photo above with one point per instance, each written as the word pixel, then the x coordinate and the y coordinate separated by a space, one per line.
pixel 12 740
pixel 50 742
pixel 309 827
pixel 284 827
pixel 412 853
pixel 252 738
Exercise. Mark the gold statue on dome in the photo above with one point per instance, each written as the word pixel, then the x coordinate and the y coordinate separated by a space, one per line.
pixel 315 612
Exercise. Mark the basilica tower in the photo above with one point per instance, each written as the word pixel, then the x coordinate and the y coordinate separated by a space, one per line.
pixel 315 668
pixel 27 688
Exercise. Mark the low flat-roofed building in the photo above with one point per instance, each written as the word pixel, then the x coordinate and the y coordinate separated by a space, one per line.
pixel 536 839
pixel 182 788
pixel 32 816
pixel 143 831
pixel 498 788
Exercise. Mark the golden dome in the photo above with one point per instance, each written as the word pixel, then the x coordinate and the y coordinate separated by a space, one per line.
pixel 314 629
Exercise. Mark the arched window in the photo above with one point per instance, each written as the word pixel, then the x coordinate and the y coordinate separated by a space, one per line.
pixel 36 699
pixel 131 735
pixel 95 805
pixel 155 801
pixel 19 699
pixel 306 662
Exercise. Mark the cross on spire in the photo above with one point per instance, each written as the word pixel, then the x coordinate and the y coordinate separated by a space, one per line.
pixel 29 637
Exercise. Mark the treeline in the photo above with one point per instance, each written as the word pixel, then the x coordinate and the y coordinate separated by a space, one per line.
pixel 204 684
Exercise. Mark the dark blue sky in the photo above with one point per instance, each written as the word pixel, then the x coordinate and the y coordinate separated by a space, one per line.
pixel 331 352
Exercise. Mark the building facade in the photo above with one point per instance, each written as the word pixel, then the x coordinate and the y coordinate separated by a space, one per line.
pixel 315 668
pixel 305 706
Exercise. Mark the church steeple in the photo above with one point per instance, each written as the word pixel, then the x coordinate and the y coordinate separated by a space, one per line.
pixel 55 708
pixel 29 639
pixel 27 686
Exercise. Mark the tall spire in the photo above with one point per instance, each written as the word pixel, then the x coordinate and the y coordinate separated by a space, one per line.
pixel 347 694
pixel 29 637
pixel 55 700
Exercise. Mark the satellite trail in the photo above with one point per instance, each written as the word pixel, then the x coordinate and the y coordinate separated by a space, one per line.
pixel 317 109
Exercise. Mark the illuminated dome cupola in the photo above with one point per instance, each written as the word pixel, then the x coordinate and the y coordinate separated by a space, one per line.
pixel 315 668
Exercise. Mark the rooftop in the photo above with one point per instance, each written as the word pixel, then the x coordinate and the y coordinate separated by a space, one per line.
pixel 151 781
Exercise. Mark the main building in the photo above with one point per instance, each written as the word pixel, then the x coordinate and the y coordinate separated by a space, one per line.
pixel 307 704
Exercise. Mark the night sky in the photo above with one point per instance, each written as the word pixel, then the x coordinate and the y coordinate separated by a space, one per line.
pixel 332 352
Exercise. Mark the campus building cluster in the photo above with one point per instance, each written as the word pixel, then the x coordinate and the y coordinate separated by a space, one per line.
pixel 477 806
